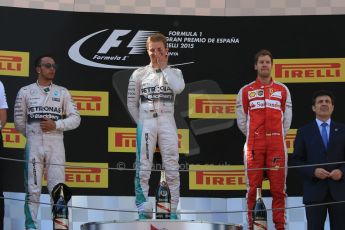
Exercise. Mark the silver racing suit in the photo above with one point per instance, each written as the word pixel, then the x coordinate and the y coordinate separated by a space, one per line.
pixel 44 151
pixel 150 101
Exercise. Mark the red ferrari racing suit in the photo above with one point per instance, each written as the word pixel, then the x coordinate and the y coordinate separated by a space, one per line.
pixel 264 113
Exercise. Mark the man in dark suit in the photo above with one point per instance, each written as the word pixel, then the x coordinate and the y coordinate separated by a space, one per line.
pixel 319 144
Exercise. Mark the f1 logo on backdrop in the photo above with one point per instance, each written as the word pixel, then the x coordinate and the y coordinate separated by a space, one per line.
pixel 120 49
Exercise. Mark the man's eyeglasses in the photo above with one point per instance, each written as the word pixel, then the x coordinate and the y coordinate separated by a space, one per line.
pixel 49 65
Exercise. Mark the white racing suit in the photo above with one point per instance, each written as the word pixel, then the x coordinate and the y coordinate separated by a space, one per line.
pixel 150 101
pixel 43 149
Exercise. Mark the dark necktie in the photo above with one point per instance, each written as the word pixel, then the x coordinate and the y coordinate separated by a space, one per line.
pixel 324 134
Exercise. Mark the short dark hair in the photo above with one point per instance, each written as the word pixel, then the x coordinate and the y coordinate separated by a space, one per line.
pixel 157 37
pixel 39 59
pixel 262 52
pixel 323 93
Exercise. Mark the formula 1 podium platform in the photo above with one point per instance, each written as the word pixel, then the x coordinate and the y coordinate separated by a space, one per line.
pixel 159 225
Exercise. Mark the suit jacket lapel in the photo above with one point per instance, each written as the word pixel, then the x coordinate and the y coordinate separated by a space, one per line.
pixel 316 131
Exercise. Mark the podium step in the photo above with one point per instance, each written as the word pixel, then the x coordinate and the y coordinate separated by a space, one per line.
pixel 159 225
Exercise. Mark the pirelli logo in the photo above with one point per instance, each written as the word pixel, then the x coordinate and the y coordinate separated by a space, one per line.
pixel 218 177
pixel 14 63
pixel 124 140
pixel 290 140
pixel 309 70
pixel 91 103
pixel 12 138
pixel 215 106
pixel 85 175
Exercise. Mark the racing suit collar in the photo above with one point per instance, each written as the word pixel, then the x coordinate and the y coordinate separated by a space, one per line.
pixel 261 85
pixel 154 69
pixel 44 89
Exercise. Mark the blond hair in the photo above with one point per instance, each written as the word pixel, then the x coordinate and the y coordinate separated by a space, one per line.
pixel 157 37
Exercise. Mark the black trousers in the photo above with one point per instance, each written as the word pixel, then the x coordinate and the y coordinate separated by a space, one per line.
pixel 316 215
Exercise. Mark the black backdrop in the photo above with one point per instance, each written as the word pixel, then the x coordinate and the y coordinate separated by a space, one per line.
pixel 216 68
